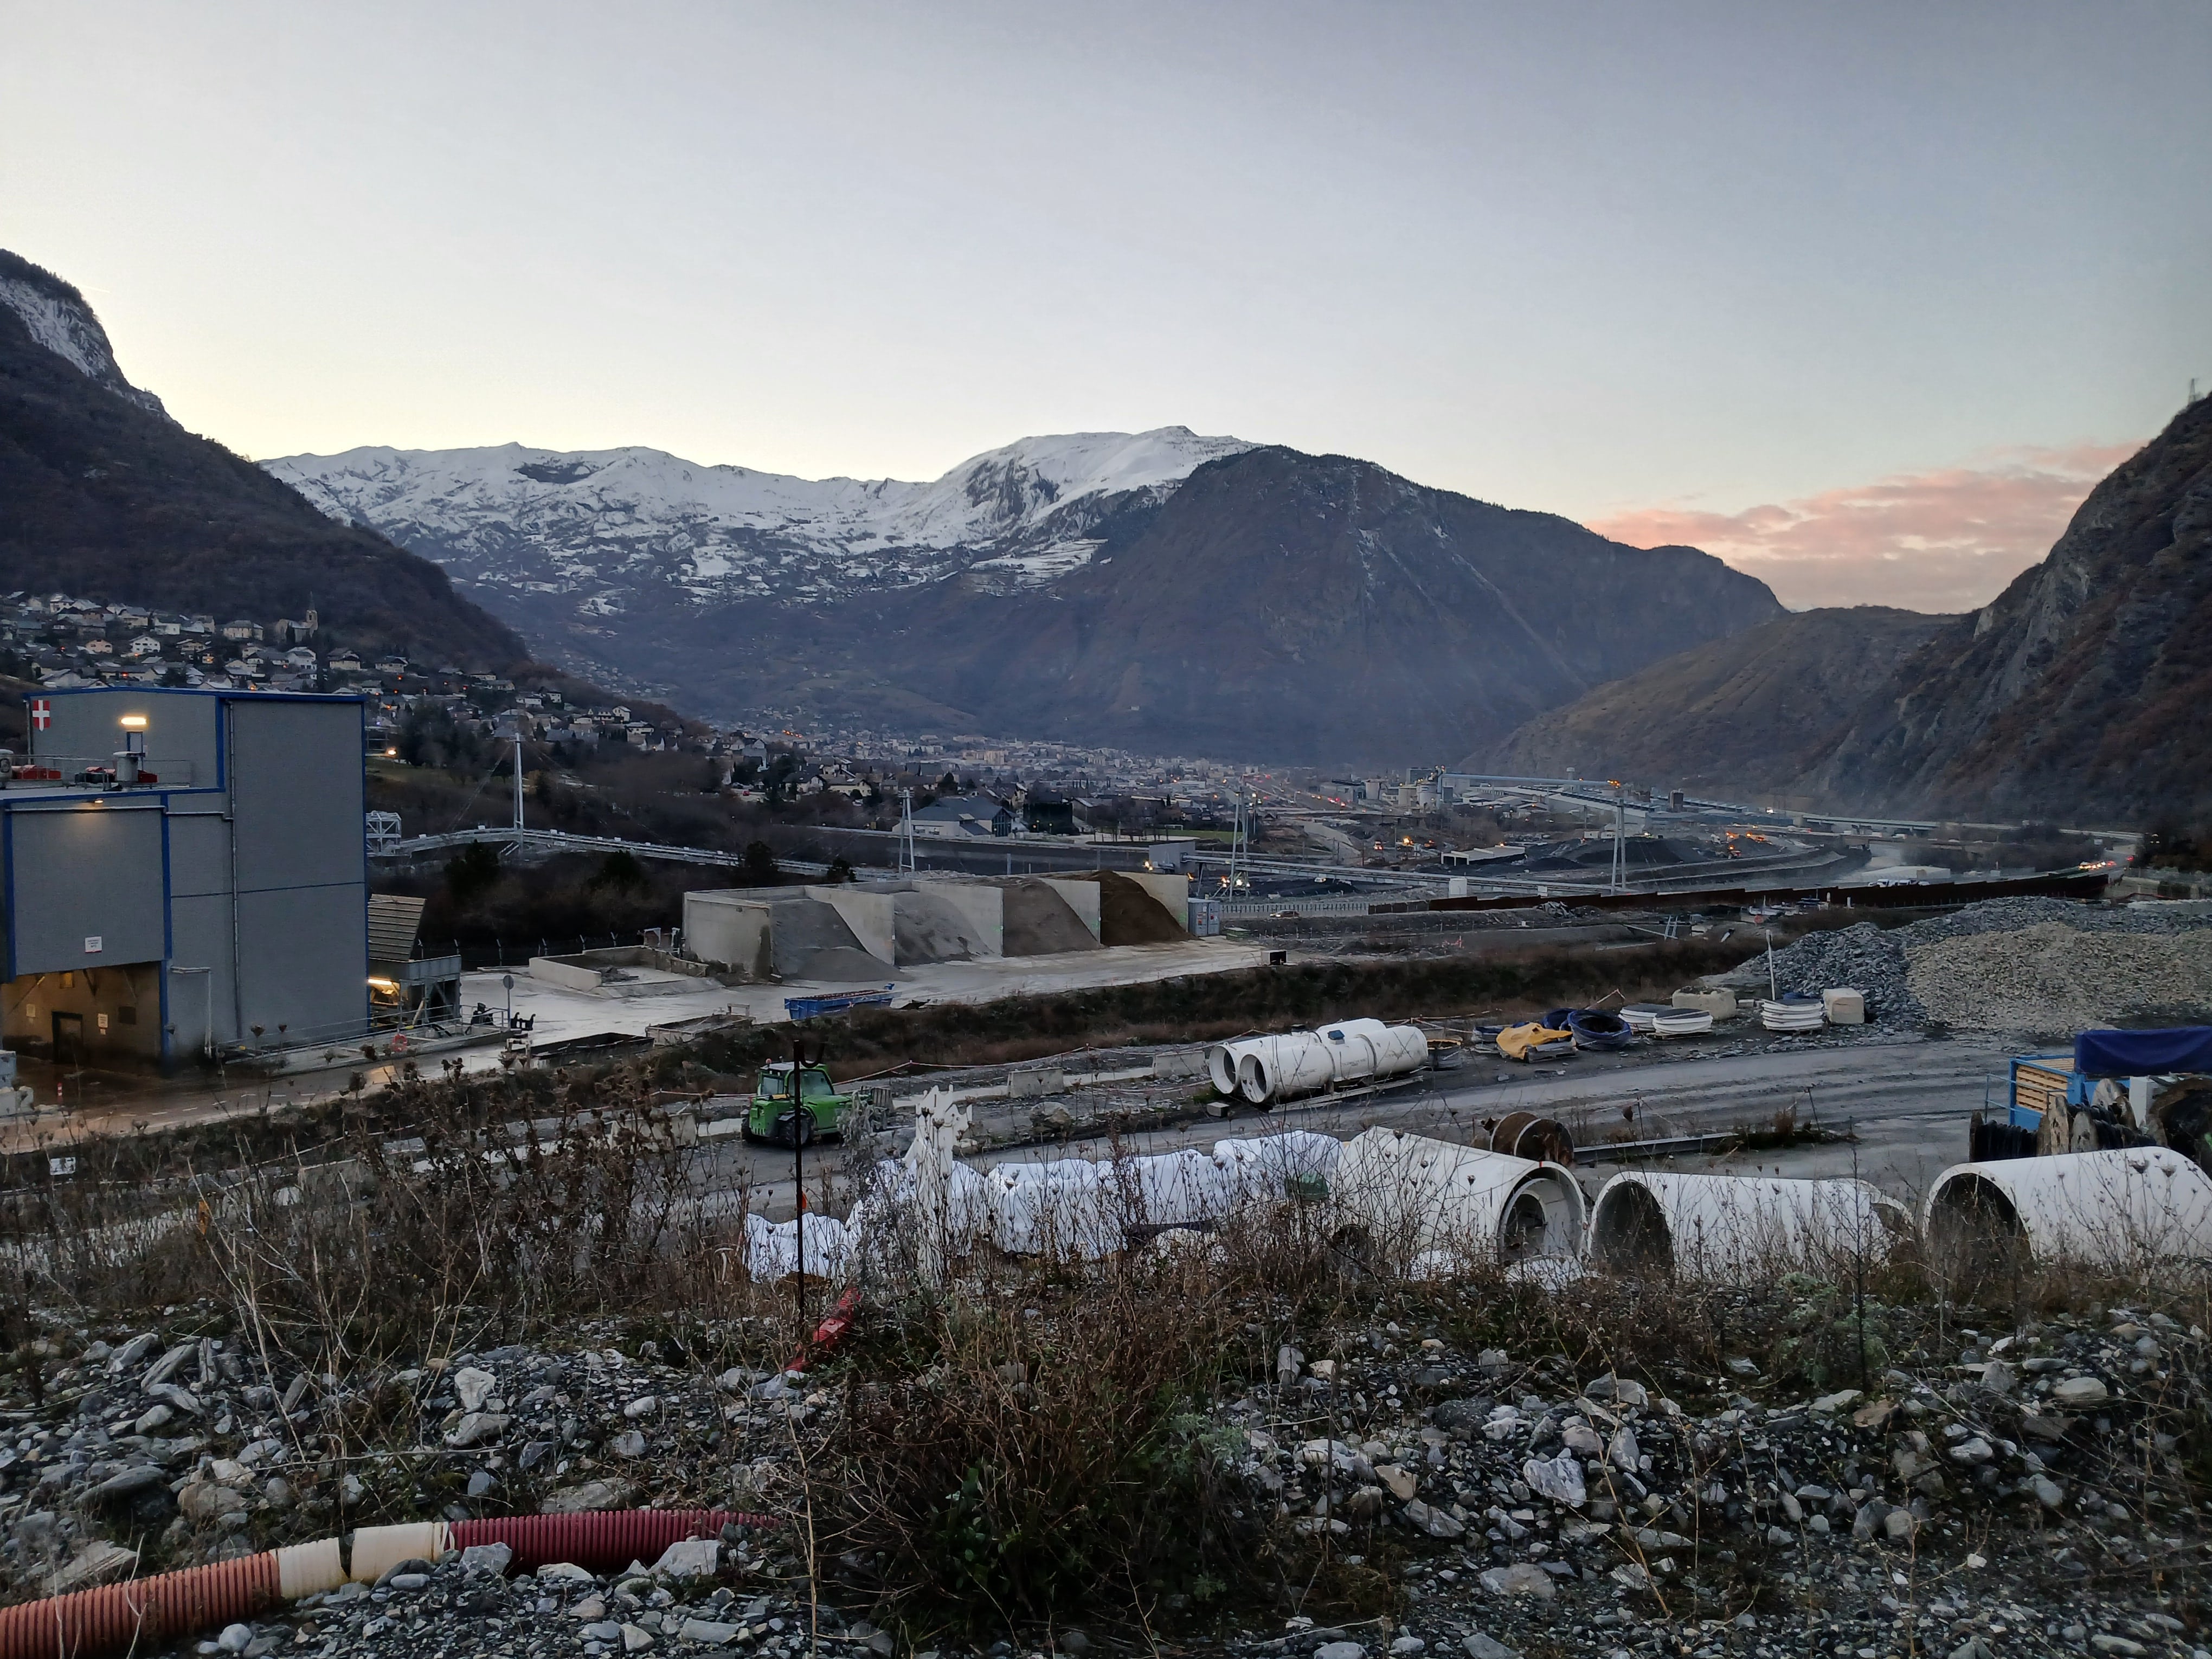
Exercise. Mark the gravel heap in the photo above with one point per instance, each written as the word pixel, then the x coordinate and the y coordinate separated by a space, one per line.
pixel 2052 979
pixel 2027 1497
pixel 464 1604
pixel 2043 966
pixel 1865 956
pixel 192 1447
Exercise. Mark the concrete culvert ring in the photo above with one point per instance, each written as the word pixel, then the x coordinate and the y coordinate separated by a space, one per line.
pixel 1540 1139
pixel 1629 1233
pixel 1521 1234
pixel 1971 1223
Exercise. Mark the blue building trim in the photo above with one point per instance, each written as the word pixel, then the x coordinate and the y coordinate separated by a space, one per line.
pixel 168 931
pixel 367 1008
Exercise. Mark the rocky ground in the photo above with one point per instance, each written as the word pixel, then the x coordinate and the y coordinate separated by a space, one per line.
pixel 2028 1491
pixel 2032 965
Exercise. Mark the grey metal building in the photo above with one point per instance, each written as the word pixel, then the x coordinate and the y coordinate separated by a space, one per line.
pixel 182 872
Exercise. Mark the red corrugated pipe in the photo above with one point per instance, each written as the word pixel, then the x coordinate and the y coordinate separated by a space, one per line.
pixel 601 1540
pixel 146 1615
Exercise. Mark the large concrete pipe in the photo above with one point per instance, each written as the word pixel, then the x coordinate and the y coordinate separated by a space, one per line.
pixel 1267 1069
pixel 1739 1229
pixel 2121 1210
pixel 1523 1134
pixel 1424 1206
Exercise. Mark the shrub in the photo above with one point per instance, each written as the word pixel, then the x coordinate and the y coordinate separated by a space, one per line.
pixel 1034 1455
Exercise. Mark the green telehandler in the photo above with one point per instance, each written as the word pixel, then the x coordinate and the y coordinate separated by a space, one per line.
pixel 775 1119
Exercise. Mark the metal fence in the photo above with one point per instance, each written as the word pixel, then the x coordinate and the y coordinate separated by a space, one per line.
pixel 1339 904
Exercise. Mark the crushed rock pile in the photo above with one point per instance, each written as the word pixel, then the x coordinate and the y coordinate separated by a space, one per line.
pixel 144 1454
pixel 2053 980
pixel 2025 1495
pixel 2045 966
pixel 1865 956
pixel 2025 1498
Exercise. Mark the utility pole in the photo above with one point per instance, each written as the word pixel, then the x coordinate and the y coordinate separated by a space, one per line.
pixel 906 856
pixel 1620 884
pixel 518 774
pixel 799 1062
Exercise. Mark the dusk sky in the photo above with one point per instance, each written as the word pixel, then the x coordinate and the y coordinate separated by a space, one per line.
pixel 1862 299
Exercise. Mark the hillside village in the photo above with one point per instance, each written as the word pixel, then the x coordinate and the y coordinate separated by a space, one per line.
pixel 60 641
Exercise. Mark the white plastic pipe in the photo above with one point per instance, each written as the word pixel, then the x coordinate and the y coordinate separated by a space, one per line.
pixel 2119 1210
pixel 377 1550
pixel 309 1569
pixel 1738 1228
pixel 1425 1206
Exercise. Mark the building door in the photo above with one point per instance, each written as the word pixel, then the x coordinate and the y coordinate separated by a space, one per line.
pixel 68 1040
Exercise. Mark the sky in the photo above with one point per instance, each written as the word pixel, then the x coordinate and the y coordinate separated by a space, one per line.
pixel 1862 299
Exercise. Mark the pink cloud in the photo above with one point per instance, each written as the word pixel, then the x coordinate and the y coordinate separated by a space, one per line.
pixel 1944 540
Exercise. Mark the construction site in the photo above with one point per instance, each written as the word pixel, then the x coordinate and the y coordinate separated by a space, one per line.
pixel 1583 1255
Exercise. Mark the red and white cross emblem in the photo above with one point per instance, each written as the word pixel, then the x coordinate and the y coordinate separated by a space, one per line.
pixel 42 713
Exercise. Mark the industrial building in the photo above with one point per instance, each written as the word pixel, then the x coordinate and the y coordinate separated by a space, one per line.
pixel 183 872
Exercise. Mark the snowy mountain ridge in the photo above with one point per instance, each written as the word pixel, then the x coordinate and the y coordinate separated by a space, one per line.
pixel 58 318
pixel 598 525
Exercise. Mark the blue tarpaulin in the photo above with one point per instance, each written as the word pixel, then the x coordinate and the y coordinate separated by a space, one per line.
pixel 2141 1054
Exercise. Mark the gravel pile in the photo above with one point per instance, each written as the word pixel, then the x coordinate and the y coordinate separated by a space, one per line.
pixel 2024 1495
pixel 143 1453
pixel 2052 979
pixel 2041 966
pixel 465 1604
pixel 1866 958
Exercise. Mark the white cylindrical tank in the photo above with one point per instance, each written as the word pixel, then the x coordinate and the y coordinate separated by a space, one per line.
pixel 1267 1069
pixel 1221 1059
pixel 1739 1229
pixel 1422 1206
pixel 2120 1210
pixel 1281 1067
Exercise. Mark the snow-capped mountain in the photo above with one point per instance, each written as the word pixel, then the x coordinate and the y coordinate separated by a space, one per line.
pixel 58 318
pixel 614 530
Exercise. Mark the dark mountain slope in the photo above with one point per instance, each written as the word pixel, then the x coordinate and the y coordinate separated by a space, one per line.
pixel 106 498
pixel 1317 607
pixel 1276 606
pixel 2082 690
pixel 1746 714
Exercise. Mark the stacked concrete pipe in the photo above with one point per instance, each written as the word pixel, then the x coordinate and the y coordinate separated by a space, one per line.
pixel 148 1613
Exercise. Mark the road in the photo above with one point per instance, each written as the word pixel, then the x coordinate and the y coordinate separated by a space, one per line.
pixel 1905 1102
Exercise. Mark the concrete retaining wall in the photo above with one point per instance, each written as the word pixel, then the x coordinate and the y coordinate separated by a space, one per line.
pixel 872 913
pixel 1081 896
pixel 547 970
pixel 1172 892
pixel 730 929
